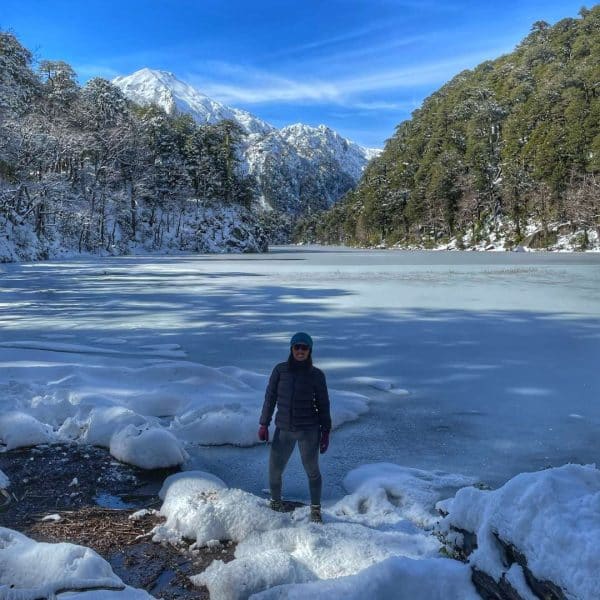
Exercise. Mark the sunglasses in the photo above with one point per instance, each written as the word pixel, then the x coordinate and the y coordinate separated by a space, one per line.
pixel 301 347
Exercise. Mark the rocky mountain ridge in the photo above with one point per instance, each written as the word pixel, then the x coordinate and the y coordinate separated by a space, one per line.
pixel 298 169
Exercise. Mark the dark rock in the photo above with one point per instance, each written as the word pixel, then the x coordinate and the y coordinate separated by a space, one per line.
pixel 540 239
pixel 544 589
pixel 490 589
pixel 469 544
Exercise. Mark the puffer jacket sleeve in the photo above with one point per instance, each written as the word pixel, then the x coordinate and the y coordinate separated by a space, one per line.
pixel 270 398
pixel 322 401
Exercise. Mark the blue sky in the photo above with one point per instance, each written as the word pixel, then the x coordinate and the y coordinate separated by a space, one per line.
pixel 358 66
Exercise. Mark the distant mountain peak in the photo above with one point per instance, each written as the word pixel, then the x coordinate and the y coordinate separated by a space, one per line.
pixel 146 72
pixel 152 86
pixel 297 166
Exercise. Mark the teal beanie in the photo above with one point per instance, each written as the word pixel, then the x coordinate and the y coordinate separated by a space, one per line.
pixel 301 338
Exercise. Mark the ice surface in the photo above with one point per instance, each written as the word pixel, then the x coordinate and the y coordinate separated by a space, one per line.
pixel 497 351
pixel 476 339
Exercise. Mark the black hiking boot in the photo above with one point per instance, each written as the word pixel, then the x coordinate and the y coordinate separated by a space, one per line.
pixel 276 505
pixel 315 513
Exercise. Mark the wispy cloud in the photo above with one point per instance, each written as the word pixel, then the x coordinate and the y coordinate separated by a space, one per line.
pixel 283 91
pixel 247 85
pixel 360 56
pixel 325 43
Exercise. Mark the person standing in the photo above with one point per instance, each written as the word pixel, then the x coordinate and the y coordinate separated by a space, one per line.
pixel 299 391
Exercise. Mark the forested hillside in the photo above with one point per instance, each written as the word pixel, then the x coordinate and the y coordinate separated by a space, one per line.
pixel 295 170
pixel 83 169
pixel 499 152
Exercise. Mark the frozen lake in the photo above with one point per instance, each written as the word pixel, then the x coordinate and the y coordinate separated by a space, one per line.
pixel 499 351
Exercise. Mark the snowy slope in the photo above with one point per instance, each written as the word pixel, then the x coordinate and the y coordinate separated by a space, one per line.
pixel 298 168
pixel 324 144
pixel 149 86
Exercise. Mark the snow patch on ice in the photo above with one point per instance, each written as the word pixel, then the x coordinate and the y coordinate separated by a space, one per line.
pixel 93 401
pixel 386 494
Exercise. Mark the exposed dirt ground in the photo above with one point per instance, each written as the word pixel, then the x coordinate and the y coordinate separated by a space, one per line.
pixel 94 495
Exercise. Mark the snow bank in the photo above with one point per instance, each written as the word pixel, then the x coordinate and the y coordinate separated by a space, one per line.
pixel 188 483
pixel 18 430
pixel 308 552
pixel 377 541
pixel 143 414
pixel 233 424
pixel 4 480
pixel 550 516
pixel 346 406
pixel 204 227
pixel 102 423
pixel 275 549
pixel 385 493
pixel 202 510
pixel 39 570
pixel 396 578
pixel 147 447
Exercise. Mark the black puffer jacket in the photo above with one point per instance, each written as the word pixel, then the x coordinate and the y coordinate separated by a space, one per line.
pixel 300 393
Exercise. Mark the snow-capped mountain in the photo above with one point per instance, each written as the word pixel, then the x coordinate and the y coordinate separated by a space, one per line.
pixel 297 169
pixel 326 144
pixel 149 86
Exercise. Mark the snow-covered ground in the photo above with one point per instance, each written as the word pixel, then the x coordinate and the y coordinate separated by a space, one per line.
pixel 439 364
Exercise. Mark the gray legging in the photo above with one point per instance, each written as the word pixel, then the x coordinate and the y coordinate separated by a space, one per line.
pixel 281 450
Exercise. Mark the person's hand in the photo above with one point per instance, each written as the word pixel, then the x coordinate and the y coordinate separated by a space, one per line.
pixel 263 433
pixel 324 444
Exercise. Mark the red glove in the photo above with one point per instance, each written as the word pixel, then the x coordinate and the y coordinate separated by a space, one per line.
pixel 324 442
pixel 263 433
